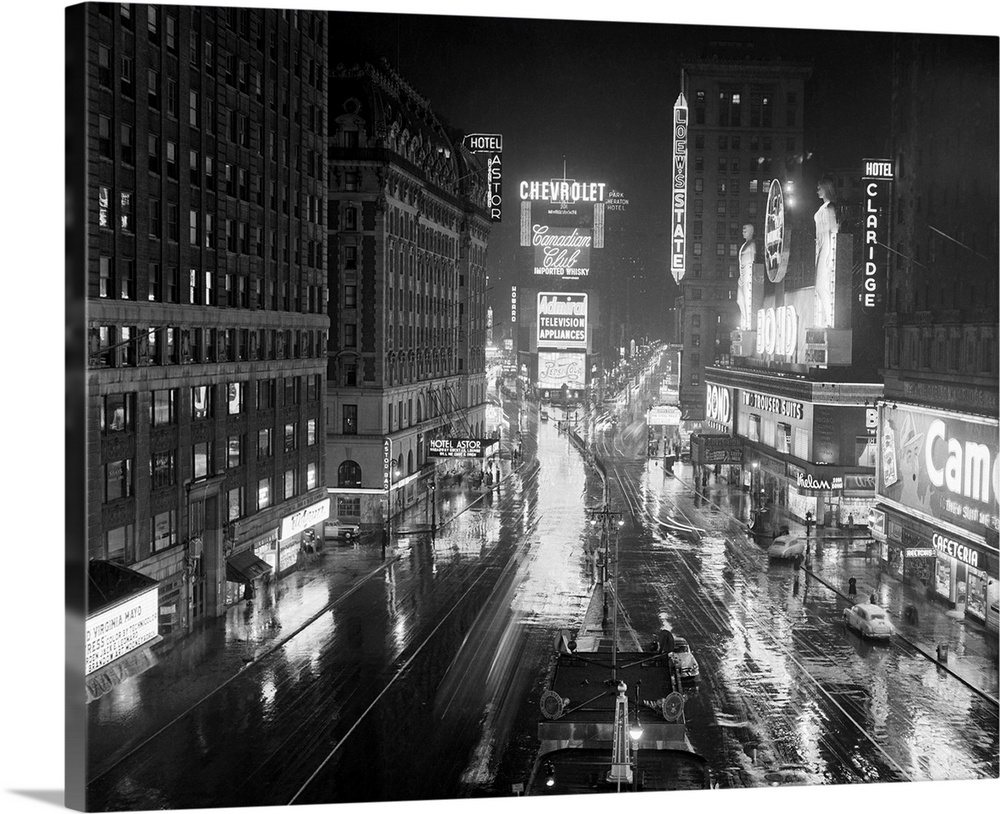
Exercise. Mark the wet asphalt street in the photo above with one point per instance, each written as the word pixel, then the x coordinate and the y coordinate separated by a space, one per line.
pixel 422 682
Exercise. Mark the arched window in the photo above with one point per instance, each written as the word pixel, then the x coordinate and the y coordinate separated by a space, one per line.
pixel 420 411
pixel 349 475
pixel 409 462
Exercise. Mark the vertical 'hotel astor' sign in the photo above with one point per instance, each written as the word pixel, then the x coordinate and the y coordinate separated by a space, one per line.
pixel 678 241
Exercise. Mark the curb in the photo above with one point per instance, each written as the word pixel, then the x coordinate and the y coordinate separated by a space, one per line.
pixel 918 648
pixel 978 690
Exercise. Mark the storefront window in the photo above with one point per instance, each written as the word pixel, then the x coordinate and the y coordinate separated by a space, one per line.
pixel 975 603
pixel 942 577
pixel 753 429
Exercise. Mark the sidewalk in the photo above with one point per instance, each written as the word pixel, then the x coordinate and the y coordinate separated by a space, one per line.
pixel 190 669
pixel 836 555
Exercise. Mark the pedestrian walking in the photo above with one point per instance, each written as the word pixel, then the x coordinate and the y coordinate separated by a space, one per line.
pixel 873 598
pixel 852 587
pixel 850 522
pixel 809 522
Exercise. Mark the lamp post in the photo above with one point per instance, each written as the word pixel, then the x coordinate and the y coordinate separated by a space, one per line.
pixel 635 733
pixel 609 519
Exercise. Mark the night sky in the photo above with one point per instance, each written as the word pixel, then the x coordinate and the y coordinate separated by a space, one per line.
pixel 600 95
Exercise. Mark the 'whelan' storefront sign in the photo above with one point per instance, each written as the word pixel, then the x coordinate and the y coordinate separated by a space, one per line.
pixel 941 464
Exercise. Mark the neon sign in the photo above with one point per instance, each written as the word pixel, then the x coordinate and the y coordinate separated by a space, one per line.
pixel 719 405
pixel 561 252
pixel 878 178
pixel 777 330
pixel 678 223
pixel 493 172
pixel 562 320
pixel 775 258
pixel 513 306
pixel 562 190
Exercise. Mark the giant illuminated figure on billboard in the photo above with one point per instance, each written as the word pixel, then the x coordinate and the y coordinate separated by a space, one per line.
pixel 744 294
pixel 826 254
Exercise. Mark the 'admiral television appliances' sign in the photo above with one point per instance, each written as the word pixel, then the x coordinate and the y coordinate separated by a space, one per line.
pixel 877 179
pixel 678 204
pixel 562 320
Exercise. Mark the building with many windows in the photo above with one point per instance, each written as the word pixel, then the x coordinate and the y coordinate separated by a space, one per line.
pixel 744 129
pixel 937 513
pixel 204 244
pixel 408 234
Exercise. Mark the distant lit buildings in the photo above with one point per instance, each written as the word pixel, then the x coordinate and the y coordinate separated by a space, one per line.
pixel 745 129
pixel 795 395
pixel 939 472
pixel 408 234
pixel 205 253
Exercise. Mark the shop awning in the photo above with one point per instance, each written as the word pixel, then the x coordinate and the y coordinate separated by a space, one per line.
pixel 245 567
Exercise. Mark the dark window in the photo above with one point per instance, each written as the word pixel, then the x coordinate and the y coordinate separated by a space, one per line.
pixel 163 469
pixel 349 475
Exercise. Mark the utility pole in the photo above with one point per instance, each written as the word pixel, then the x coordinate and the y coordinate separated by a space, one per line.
pixel 609 520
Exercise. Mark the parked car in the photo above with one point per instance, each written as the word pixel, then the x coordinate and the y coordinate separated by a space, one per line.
pixel 787 547
pixel 869 620
pixel 339 530
pixel 684 658
pixel 544 415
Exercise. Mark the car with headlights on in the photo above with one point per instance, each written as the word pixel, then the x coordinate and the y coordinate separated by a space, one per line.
pixel 684 659
pixel 868 620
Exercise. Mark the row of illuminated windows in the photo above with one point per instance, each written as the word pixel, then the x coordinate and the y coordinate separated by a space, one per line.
pixel 720 249
pixel 129 346
pixel 239 236
pixel 754 143
pixel 119 479
pixel 118 410
pixel 247 27
pixel 732 208
pixel 731 104
pixel 118 280
pixel 731 186
pixel 162 531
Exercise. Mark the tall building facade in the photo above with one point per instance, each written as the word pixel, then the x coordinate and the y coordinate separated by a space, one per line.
pixel 408 236
pixel 744 129
pixel 939 472
pixel 204 244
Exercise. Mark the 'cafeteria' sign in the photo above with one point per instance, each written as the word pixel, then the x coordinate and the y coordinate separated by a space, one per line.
pixel 455 448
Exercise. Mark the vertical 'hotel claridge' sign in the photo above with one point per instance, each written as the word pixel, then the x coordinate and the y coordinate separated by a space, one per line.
pixel 678 238
pixel 877 181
